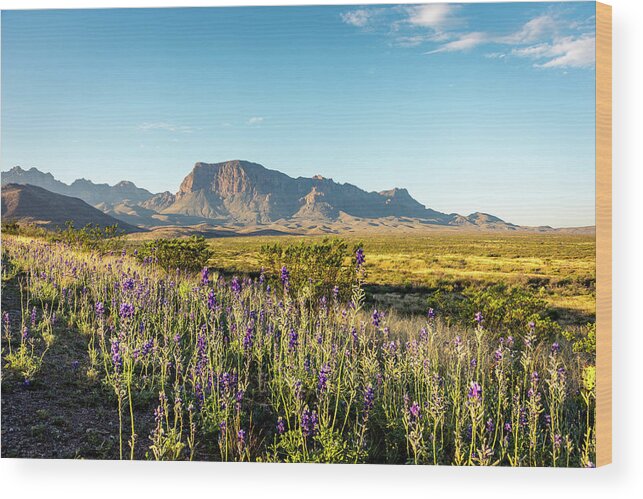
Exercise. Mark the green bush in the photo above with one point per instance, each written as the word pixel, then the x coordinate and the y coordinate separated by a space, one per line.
pixel 582 339
pixel 191 254
pixel 91 237
pixel 319 265
pixel 504 308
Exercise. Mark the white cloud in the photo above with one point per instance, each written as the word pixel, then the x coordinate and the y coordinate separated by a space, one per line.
pixel 163 125
pixel 436 16
pixel 465 42
pixel 255 120
pixel 359 17
pixel 567 52
pixel 549 39
pixel 533 30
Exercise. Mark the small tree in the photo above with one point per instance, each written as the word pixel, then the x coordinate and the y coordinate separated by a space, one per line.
pixel 190 254
pixel 319 265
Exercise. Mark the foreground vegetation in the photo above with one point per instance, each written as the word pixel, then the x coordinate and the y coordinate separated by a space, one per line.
pixel 266 369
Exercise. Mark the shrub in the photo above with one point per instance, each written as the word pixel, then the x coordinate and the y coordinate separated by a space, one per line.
pixel 504 308
pixel 321 265
pixel 91 237
pixel 190 254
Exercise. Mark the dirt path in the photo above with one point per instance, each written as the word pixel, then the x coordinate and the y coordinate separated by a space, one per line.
pixel 61 413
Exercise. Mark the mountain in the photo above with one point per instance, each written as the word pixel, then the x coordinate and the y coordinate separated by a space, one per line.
pixel 31 204
pixel 248 193
pixel 86 190
pixel 247 197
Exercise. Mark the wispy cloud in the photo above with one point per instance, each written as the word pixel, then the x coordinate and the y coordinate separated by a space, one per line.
pixel 255 120
pixel 552 39
pixel 163 125
pixel 359 17
pixel 567 52
pixel 437 16
pixel 464 42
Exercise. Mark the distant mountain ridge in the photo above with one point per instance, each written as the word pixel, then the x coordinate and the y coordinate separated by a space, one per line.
pixel 35 205
pixel 244 194
pixel 249 193
pixel 86 190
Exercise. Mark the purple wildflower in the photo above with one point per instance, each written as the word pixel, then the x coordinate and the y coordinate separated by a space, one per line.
pixel 376 318
pixel 205 276
pixel 99 308
pixel 360 258
pixel 555 348
pixel 475 391
pixel 323 378
pixel 117 360
pixel 309 422
pixel 281 426
pixel 479 318
pixel 126 311
pixel 212 300
pixel 369 398
pixel 430 314
pixel 414 411
pixel 285 276
pixel 293 340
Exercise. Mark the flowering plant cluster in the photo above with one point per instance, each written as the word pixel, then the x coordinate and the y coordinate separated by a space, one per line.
pixel 248 371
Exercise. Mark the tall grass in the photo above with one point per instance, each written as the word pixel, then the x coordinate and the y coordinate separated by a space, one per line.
pixel 243 370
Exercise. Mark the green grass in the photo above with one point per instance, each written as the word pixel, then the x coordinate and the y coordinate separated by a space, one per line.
pixel 561 267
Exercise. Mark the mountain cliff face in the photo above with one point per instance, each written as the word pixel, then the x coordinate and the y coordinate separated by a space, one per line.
pixel 249 193
pixel 242 194
pixel 86 190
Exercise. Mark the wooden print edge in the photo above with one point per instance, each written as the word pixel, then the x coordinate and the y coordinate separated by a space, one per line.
pixel 603 234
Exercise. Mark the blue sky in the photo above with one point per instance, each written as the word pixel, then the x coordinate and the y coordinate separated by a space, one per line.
pixel 472 107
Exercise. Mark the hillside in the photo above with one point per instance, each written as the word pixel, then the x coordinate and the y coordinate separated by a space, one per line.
pixel 35 205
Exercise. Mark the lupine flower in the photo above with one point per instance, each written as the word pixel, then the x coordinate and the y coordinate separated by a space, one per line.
pixel 128 284
pixel 205 274
pixel 478 317
pixel 430 314
pixel 376 318
pixel 555 348
pixel 309 421
pixel 558 440
pixel 360 258
pixel 489 426
pixel 475 391
pixel 117 360
pixel 248 338
pixel 535 377
pixel 281 426
pixel 33 317
pixel 507 427
pixel 335 291
pixel 323 378
pixel 235 285
pixel 369 398
pixel 212 301
pixel 293 340
pixel 285 276
pixel 126 310
pixel 99 308
pixel 414 411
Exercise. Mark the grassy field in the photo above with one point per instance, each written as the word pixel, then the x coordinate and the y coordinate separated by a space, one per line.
pixel 106 355
pixel 402 271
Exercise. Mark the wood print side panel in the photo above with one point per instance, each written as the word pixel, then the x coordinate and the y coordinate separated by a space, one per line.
pixel 603 234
